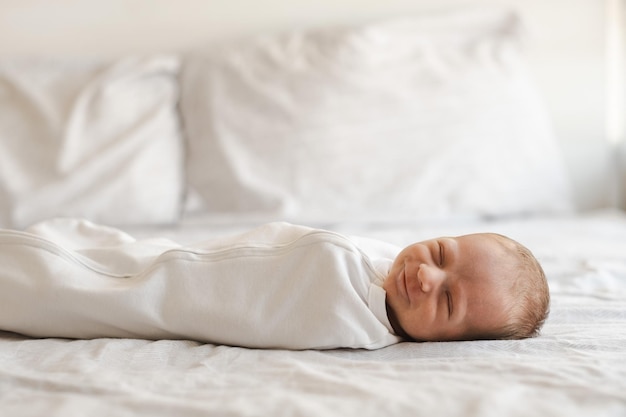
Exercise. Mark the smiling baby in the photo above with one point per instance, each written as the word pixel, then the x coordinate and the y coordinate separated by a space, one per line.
pixel 277 286
pixel 478 286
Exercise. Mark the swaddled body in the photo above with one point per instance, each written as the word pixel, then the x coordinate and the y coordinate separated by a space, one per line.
pixel 279 286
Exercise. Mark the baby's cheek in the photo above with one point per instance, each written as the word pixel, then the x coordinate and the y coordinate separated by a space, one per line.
pixel 415 322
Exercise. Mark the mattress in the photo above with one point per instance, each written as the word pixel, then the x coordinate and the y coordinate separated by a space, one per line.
pixel 576 367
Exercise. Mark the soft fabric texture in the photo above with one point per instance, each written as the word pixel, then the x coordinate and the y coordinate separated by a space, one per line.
pixel 432 116
pixel 277 286
pixel 576 368
pixel 90 138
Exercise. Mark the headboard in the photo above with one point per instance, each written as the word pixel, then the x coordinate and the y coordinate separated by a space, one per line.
pixel 574 50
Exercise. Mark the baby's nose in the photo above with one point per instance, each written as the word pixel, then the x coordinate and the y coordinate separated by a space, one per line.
pixel 430 277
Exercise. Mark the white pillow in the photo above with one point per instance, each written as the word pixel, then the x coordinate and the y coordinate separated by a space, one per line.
pixel 418 118
pixel 90 139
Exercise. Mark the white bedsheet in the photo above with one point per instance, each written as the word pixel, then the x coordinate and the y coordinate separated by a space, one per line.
pixel 577 367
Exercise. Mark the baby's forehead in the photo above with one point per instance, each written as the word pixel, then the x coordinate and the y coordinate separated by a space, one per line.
pixel 489 243
pixel 487 257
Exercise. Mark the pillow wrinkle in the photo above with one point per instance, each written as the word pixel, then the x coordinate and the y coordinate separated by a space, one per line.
pixel 91 138
pixel 328 124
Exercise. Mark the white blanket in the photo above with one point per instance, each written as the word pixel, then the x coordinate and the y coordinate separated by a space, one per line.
pixel 277 286
pixel 576 368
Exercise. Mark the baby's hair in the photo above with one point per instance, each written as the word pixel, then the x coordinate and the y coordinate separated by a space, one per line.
pixel 529 287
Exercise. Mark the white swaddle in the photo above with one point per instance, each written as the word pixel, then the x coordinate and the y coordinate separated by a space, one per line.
pixel 278 286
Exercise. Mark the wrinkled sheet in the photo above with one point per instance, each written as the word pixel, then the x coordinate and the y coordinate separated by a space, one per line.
pixel 577 367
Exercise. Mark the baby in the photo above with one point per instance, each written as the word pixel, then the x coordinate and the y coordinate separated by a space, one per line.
pixel 478 286
pixel 277 286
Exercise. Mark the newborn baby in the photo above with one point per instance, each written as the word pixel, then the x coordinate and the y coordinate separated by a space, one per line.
pixel 277 286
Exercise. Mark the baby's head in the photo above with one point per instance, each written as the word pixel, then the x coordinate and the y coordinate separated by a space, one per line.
pixel 478 286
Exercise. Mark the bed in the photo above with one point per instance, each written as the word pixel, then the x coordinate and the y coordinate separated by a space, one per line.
pixel 399 122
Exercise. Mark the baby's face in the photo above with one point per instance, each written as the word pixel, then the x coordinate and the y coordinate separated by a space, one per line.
pixel 451 288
